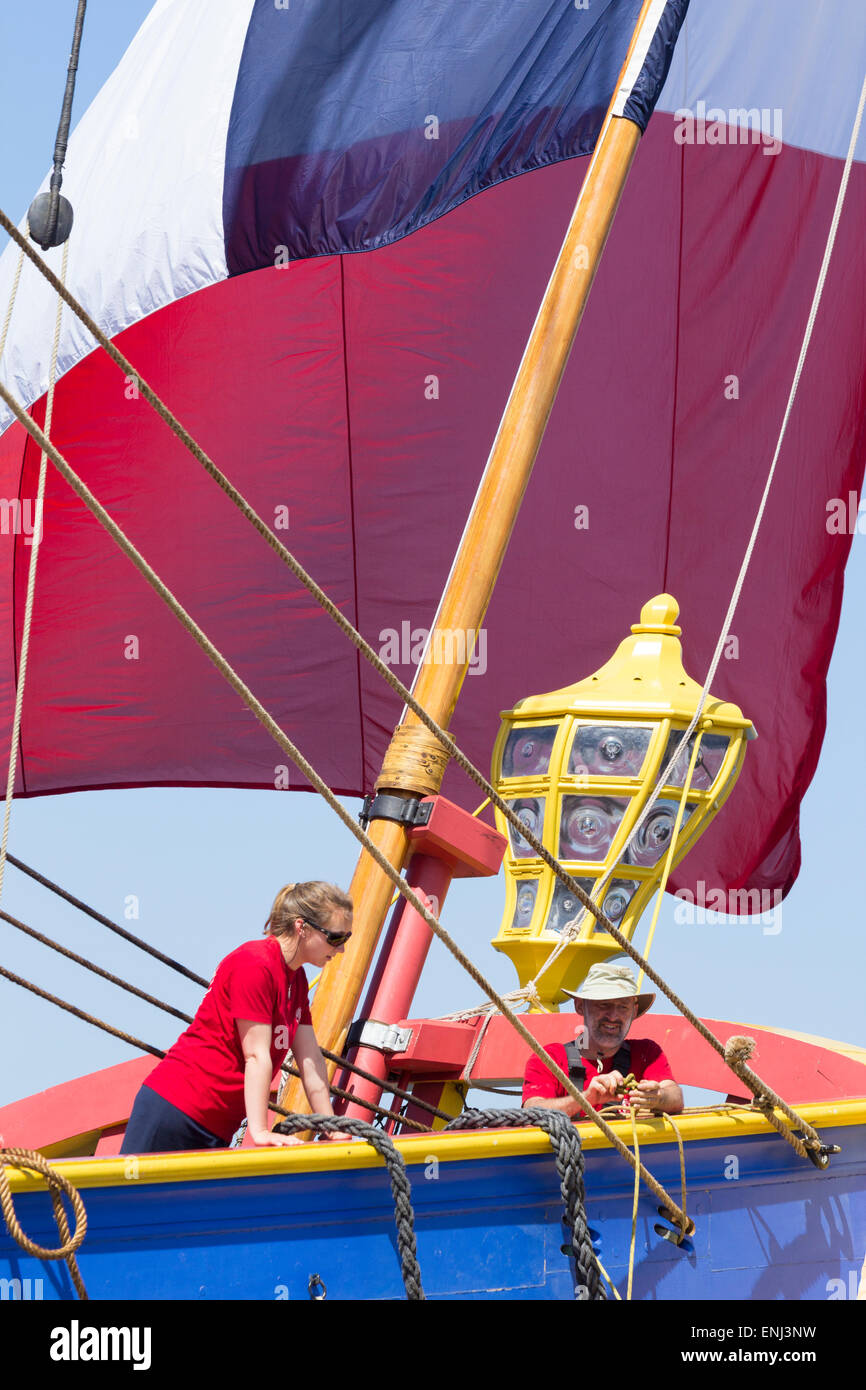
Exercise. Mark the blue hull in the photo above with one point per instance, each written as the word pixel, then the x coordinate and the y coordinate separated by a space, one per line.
pixel 769 1226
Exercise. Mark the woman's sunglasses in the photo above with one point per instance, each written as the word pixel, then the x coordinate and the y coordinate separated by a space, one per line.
pixel 333 938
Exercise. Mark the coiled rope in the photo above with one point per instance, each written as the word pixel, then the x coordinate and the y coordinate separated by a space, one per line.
pixel 565 1142
pixel 404 1214
pixel 57 1185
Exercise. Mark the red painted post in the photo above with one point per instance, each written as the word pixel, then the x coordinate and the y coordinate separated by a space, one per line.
pixel 451 844
pixel 393 987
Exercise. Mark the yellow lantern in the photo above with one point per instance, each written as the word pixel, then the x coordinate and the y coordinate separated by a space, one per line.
pixel 578 766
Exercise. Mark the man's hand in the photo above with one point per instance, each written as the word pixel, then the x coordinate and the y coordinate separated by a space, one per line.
pixel 658 1096
pixel 602 1089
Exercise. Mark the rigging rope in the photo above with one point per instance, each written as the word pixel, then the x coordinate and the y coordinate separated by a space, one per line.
pixel 7 318
pixel 96 969
pixel 36 541
pixel 48 233
pixel 107 922
pixel 79 1013
pixel 57 1184
pixel 386 1085
pixel 348 1095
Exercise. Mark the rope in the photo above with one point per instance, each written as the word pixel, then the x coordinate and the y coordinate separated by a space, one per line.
pixel 633 1241
pixel 57 1184
pixel 386 1086
pixel 36 541
pixel 565 1142
pixel 669 857
pixel 347 1095
pixel 669 1119
pixel 9 307
pixel 107 922
pixel 401 1191
pixel 96 969
pixel 755 1084
pixel 79 1013
pixel 63 130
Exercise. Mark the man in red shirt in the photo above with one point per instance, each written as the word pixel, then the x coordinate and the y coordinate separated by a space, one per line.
pixel 600 1057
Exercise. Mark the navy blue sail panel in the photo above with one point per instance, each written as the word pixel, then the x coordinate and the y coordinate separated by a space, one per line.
pixel 354 122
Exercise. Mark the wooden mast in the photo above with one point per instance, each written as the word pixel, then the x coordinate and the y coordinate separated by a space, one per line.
pixel 415 762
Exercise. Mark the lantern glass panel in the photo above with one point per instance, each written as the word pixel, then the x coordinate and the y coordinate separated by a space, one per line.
pixel 588 826
pixel 616 898
pixel 527 751
pixel 565 905
pixel 654 836
pixel 529 810
pixel 527 892
pixel 710 758
pixel 609 750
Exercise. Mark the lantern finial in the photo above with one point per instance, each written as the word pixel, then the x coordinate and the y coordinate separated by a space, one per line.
pixel 659 615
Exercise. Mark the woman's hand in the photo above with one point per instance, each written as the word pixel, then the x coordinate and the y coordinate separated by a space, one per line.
pixel 267 1138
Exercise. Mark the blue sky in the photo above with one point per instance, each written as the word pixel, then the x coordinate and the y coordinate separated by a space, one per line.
pixel 205 865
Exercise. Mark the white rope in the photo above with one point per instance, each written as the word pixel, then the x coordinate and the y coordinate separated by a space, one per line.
pixel 36 540
pixel 9 307
pixel 741 577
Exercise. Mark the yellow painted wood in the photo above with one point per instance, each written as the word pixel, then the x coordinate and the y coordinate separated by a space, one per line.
pixel 458 1146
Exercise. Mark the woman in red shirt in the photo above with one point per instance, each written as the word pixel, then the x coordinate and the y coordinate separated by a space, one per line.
pixel 254 1011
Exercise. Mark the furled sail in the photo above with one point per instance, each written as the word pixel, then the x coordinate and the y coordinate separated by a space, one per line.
pixel 354 397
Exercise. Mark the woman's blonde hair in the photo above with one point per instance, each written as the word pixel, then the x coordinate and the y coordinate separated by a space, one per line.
pixel 314 901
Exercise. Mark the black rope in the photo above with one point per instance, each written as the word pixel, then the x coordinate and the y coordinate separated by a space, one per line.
pixel 404 1214
pixel 565 1142
pixel 387 1086
pixel 347 1095
pixel 97 969
pixel 107 922
pixel 47 235
pixel 79 1013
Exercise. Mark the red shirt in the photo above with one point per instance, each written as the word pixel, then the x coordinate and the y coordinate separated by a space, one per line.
pixel 647 1063
pixel 203 1074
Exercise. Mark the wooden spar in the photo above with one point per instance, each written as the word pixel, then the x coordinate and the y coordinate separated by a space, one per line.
pixel 415 763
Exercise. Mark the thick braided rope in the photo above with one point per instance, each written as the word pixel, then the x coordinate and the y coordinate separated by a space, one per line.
pixel 404 1214
pixel 755 1084
pixel 96 969
pixel 57 1183
pixel 284 742
pixel 568 1155
pixel 737 1051
pixel 35 543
